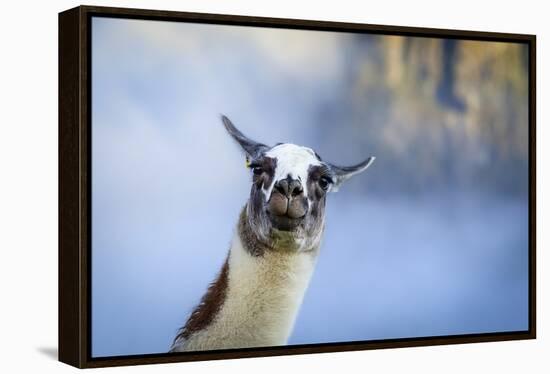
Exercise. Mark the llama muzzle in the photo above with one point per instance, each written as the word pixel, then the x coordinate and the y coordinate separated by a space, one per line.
pixel 287 205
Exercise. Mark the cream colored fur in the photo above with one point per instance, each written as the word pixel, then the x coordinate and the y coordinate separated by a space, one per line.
pixel 263 297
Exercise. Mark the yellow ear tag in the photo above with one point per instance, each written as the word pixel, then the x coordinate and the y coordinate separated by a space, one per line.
pixel 247 163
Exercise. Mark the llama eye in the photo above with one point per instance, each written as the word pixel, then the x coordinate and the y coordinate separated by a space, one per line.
pixel 324 182
pixel 257 170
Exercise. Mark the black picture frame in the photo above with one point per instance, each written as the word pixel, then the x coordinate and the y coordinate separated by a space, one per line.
pixel 75 184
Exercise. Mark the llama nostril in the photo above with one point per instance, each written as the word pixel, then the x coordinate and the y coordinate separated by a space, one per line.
pixel 297 190
pixel 282 187
pixel 289 187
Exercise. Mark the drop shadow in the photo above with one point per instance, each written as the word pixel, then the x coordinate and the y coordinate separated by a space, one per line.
pixel 50 352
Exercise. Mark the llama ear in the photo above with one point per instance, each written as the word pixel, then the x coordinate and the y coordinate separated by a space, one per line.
pixel 252 149
pixel 343 173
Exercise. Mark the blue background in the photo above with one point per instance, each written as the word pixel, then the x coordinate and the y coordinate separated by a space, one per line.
pixel 431 240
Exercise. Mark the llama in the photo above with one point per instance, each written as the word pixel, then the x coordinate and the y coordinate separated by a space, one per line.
pixel 256 296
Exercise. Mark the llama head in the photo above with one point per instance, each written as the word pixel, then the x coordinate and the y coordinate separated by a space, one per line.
pixel 286 207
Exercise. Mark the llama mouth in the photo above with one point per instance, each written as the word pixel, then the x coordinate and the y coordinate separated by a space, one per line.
pixel 285 222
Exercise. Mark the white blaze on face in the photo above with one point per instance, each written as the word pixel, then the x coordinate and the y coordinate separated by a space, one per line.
pixel 293 160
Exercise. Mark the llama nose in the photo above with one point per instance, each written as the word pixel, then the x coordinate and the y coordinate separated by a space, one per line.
pixel 289 187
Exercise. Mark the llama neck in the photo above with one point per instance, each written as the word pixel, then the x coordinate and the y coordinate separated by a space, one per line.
pixel 261 298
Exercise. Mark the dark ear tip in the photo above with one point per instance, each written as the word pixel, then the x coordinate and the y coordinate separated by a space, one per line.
pixel 228 124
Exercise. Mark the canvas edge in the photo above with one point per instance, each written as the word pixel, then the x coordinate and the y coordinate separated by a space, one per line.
pixel 73 188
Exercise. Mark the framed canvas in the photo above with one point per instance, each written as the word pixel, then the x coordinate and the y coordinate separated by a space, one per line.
pixel 236 186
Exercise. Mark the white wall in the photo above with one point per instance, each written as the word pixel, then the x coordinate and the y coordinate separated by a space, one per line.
pixel 28 191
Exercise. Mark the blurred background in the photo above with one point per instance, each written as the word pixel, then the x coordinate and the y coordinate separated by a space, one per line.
pixel 431 240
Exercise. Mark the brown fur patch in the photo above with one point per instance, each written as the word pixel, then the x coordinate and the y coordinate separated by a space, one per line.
pixel 209 306
pixel 268 166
